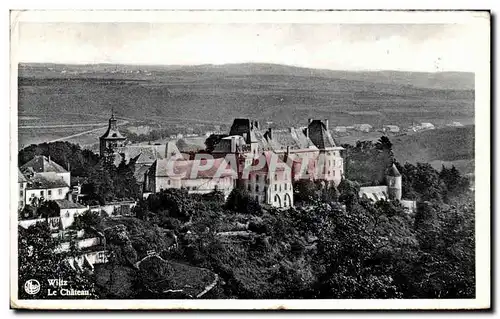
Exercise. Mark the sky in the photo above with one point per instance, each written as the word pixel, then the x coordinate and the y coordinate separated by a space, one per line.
pixel 404 47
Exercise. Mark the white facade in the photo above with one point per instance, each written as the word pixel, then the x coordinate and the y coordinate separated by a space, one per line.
pixel 197 185
pixel 68 215
pixel 330 166
pixel 46 193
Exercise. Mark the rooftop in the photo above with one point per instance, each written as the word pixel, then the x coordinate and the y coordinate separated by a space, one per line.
pixel 393 171
pixel 66 204
pixel 320 136
pixel 42 164
pixel 46 181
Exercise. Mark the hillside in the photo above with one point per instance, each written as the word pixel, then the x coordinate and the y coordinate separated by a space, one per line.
pixel 217 94
pixel 448 146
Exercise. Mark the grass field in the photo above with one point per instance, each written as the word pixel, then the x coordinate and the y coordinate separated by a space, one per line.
pixel 448 146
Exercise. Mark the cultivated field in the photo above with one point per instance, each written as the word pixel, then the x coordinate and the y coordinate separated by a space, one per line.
pixel 166 97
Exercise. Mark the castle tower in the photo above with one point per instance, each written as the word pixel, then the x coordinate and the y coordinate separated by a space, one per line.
pixel 394 183
pixel 112 139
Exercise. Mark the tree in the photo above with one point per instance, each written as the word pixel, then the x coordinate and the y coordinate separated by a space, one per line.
pixel 239 201
pixel 305 192
pixel 88 220
pixel 49 209
pixel 39 259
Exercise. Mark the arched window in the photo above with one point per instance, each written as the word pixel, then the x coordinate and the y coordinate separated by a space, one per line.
pixel 288 200
pixel 277 200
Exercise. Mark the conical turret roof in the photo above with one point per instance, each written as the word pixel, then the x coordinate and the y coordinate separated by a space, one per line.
pixel 393 171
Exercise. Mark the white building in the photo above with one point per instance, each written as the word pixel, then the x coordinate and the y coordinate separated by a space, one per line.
pixel 363 127
pixel 391 128
pixel 191 175
pixel 41 166
pixel 45 187
pixel 68 211
pixel 271 184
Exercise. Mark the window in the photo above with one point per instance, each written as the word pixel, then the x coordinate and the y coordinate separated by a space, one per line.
pixel 285 186
pixel 32 195
pixel 334 173
pixel 256 178
pixel 249 187
pixel 275 187
pixel 256 188
pixel 168 182
pixel 280 187
pixel 42 193
pixel 21 193
pixel 265 189
pixel 59 191
pixel 257 198
pixel 49 192
pixel 275 177
pixel 67 213
pixel 333 162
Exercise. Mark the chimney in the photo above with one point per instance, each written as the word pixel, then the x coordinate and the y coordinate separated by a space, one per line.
pixel 326 124
pixel 257 125
pixel 270 133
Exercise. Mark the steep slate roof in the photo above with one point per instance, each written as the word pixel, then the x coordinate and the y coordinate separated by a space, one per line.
pixel 139 172
pixel 46 181
pixel 393 171
pixel 142 154
pixel 292 137
pixel 112 132
pixel 243 128
pixel 41 164
pixel 319 135
pixel 183 168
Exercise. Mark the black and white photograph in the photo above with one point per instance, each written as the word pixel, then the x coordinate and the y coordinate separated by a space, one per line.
pixel 250 160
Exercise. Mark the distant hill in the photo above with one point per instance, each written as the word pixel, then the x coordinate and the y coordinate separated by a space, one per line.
pixel 435 80
pixel 218 93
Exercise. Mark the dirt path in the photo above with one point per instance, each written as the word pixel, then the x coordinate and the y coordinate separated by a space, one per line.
pixel 83 133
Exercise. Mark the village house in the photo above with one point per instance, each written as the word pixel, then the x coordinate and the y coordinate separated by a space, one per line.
pixel 43 166
pixel 363 127
pixel 68 210
pixel 391 128
pixel 340 129
pixel 44 180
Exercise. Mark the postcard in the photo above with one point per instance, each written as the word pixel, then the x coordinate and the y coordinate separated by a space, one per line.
pixel 250 160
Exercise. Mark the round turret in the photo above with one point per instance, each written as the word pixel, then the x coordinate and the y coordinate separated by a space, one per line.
pixel 394 183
